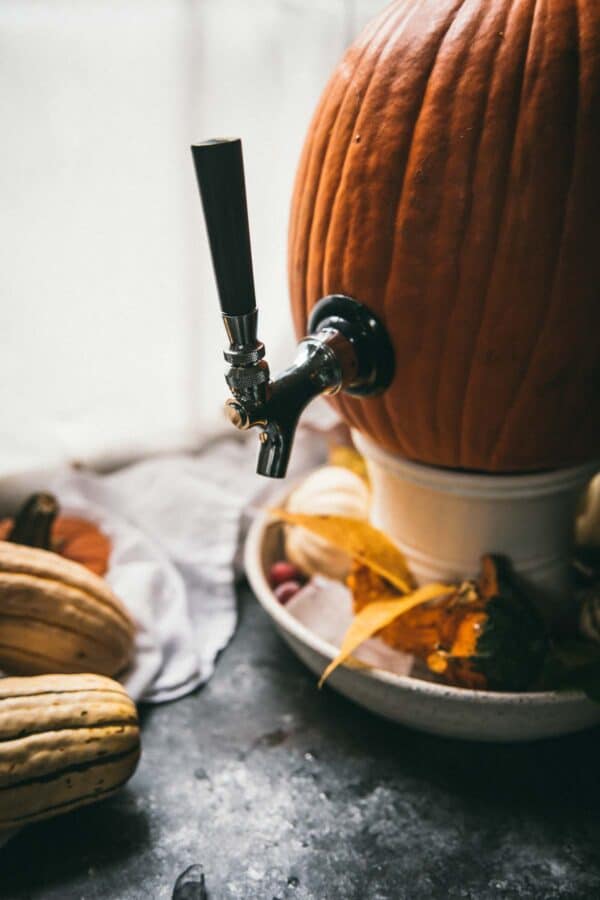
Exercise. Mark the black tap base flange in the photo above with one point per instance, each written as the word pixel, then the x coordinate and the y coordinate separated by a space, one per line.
pixel 367 335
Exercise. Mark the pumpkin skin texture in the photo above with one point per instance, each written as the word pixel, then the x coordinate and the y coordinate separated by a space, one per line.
pixel 65 741
pixel 450 181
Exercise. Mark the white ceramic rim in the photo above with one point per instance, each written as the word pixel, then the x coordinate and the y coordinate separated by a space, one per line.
pixel 497 487
pixel 264 594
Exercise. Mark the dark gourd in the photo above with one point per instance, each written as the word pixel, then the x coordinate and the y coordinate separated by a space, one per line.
pixel 485 635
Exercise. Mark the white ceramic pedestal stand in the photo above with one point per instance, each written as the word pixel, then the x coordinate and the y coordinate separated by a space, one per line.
pixel 444 520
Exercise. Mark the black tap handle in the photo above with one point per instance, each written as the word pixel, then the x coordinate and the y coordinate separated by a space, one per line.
pixel 220 173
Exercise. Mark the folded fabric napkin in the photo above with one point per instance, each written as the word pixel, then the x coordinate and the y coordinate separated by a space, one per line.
pixel 175 525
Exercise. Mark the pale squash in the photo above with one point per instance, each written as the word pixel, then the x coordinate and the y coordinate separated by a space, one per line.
pixel 65 741
pixel 57 616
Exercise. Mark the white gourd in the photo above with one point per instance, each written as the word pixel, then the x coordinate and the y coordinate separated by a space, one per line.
pixel 330 490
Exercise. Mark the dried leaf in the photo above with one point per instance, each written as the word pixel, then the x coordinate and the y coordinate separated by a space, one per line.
pixel 348 458
pixel 375 616
pixel 359 540
pixel 416 631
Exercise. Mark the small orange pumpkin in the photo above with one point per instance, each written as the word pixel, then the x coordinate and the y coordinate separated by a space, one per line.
pixel 37 524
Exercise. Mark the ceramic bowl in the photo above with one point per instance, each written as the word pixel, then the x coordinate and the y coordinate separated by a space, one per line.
pixel 423 705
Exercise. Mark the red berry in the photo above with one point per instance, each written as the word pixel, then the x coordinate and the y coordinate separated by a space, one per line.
pixel 283 571
pixel 284 592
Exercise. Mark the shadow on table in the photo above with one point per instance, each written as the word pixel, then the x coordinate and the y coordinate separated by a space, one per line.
pixel 552 778
pixel 82 842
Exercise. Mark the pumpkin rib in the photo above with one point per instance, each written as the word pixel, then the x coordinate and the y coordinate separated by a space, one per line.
pixel 462 245
pixel 345 406
pixel 554 225
pixel 406 438
pixel 363 93
pixel 427 418
pixel 301 200
pixel 498 233
pixel 506 424
pixel 365 111
pixel 425 421
pixel 319 214
pixel 319 163
pixel 488 187
pixel 371 110
pixel 360 49
pixel 589 21
pixel 367 412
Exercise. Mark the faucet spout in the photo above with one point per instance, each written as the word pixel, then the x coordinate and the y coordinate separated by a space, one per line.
pixel 316 370
pixel 348 350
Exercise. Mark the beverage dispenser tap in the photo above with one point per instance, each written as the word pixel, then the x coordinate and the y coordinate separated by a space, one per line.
pixel 347 348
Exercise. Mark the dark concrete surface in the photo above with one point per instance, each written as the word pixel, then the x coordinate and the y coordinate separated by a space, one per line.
pixel 281 791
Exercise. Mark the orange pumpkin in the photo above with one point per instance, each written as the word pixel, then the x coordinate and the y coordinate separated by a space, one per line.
pixel 450 180
pixel 70 536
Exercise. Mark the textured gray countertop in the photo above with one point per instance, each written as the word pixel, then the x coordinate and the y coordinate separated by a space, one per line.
pixel 281 791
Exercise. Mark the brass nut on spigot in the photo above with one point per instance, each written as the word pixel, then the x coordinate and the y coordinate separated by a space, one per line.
pixel 236 414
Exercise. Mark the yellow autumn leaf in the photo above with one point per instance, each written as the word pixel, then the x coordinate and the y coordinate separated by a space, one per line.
pixel 360 540
pixel 348 458
pixel 375 616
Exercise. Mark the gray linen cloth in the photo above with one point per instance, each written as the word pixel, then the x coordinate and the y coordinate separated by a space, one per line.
pixel 175 526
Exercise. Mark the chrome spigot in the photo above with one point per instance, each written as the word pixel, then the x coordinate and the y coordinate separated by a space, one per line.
pixel 347 349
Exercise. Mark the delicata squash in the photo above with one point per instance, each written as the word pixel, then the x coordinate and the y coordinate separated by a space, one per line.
pixel 65 741
pixel 57 616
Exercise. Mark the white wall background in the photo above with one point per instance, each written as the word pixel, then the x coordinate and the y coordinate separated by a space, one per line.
pixel 110 337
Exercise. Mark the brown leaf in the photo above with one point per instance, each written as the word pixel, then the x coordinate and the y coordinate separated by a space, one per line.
pixel 375 616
